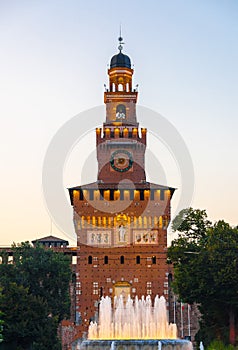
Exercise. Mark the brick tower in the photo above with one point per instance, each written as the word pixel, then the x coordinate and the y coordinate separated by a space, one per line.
pixel 121 220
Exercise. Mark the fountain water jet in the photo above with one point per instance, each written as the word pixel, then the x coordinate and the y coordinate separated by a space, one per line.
pixel 201 347
pixel 133 325
pixel 138 320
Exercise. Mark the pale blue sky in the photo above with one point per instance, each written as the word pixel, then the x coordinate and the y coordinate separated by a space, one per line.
pixel 53 65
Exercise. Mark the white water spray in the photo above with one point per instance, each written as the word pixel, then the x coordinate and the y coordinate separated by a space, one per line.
pixel 132 320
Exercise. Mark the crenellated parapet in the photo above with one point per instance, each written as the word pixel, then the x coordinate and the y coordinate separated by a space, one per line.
pixel 109 132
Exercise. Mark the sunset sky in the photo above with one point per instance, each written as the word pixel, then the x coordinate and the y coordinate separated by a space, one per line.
pixel 54 60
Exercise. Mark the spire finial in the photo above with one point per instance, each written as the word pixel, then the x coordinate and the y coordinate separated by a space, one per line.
pixel 120 39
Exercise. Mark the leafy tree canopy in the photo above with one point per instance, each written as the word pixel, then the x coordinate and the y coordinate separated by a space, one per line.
pixel 205 259
pixel 34 298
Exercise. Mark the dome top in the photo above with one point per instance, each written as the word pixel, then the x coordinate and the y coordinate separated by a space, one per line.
pixel 120 60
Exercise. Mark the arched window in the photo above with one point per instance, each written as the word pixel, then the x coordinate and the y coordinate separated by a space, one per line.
pixel 120 87
pixel 138 259
pixel 122 259
pixel 90 259
pixel 73 278
pixel 105 259
pixel 153 259
pixel 170 278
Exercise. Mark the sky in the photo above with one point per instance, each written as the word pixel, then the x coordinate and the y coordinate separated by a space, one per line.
pixel 53 66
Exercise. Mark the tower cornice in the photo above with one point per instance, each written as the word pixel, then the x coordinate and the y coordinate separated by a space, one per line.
pixel 120 96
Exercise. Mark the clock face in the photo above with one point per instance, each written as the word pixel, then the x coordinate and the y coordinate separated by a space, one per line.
pixel 121 160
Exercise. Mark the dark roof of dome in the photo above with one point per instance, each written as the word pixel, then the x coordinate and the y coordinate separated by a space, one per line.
pixel 120 60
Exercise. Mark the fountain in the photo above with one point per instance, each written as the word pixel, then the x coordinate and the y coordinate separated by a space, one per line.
pixel 201 347
pixel 133 325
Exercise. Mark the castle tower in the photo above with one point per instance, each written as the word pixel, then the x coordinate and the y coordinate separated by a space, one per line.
pixel 121 220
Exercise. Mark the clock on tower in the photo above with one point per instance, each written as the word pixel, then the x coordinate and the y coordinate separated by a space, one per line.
pixel 121 160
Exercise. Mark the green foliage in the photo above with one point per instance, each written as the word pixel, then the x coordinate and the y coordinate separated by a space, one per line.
pixel 205 259
pixel 34 298
pixel 22 311
pixel 191 223
pixel 1 322
pixel 219 345
pixel 47 274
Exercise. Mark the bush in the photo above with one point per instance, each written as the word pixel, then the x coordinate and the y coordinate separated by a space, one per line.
pixel 219 345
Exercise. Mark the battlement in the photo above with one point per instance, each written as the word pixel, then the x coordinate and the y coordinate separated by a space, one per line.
pixel 121 132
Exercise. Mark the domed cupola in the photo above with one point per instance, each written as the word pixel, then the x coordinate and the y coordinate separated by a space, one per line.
pixel 120 60
pixel 120 97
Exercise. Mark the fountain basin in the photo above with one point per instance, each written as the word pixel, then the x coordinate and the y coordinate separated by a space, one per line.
pixel 130 344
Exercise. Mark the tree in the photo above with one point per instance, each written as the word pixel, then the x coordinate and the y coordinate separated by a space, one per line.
pixel 47 274
pixel 191 224
pixel 34 298
pixel 205 259
pixel 22 312
pixel 1 322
